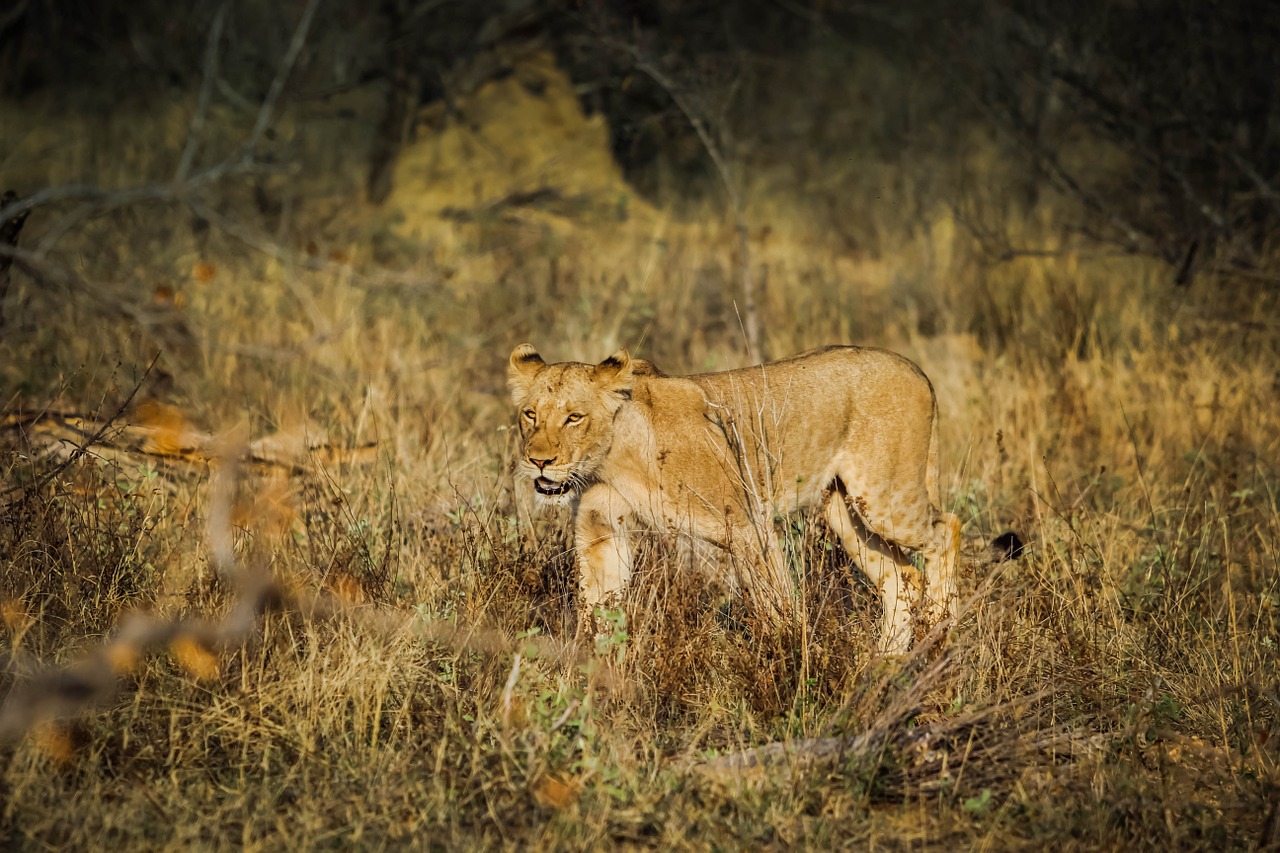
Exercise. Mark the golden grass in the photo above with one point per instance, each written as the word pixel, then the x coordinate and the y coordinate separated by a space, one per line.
pixel 1116 687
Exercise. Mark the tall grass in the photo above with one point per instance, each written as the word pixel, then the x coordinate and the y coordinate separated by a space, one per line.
pixel 1117 686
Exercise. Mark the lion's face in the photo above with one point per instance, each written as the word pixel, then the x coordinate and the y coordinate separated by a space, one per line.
pixel 566 416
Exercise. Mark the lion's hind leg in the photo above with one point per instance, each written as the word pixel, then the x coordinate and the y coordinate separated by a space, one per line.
pixel 887 568
pixel 942 550
pixel 941 558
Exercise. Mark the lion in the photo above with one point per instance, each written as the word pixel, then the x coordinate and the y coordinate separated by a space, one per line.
pixel 716 457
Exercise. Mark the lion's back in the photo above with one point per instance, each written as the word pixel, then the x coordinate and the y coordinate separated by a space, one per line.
pixel 842 384
pixel 792 421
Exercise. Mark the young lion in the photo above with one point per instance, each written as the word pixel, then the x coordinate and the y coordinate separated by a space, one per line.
pixel 718 456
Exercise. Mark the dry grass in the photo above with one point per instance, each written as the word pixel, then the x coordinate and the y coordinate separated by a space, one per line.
pixel 1116 687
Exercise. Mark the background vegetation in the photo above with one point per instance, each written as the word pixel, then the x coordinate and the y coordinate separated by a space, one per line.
pixel 266 580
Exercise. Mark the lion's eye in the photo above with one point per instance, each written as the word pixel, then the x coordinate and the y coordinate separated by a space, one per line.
pixel 574 418
pixel 530 415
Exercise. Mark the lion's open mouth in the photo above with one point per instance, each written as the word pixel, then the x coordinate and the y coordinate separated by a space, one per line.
pixel 547 486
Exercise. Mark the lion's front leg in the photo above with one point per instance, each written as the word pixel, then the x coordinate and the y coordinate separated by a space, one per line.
pixel 762 568
pixel 604 548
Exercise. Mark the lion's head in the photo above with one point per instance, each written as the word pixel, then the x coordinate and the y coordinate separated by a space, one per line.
pixel 566 417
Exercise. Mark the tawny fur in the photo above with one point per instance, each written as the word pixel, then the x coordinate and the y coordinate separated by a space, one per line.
pixel 718 456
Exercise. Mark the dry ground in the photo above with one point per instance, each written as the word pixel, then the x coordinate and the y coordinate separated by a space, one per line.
pixel 412 680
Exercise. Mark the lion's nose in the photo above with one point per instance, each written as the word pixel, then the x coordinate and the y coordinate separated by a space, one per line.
pixel 541 463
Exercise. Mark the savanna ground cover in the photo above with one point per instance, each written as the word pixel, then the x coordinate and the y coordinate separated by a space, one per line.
pixel 267 581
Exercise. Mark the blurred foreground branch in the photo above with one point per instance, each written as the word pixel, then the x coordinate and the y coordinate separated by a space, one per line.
pixel 42 694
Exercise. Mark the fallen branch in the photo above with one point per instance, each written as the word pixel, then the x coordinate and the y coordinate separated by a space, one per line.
pixel 920 751
pixel 156 430
pixel 77 450
pixel 199 645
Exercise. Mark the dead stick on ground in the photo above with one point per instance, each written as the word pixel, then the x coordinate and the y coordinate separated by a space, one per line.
pixel 756 762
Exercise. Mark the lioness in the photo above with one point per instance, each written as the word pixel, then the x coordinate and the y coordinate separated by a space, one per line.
pixel 718 456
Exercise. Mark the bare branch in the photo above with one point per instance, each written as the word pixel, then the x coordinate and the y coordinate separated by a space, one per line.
pixel 184 185
pixel 751 313
pixel 196 131
pixel 265 113
pixel 99 200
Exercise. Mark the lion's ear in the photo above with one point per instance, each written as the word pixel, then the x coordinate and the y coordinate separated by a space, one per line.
pixel 522 368
pixel 614 373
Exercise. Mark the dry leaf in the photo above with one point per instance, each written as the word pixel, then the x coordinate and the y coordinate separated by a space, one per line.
pixel 204 272
pixel 122 656
pixel 54 740
pixel 555 793
pixel 168 297
pixel 165 430
pixel 199 662
pixel 14 614
pixel 346 588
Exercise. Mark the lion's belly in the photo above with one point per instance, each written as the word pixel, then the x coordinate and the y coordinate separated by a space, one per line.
pixel 805 492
